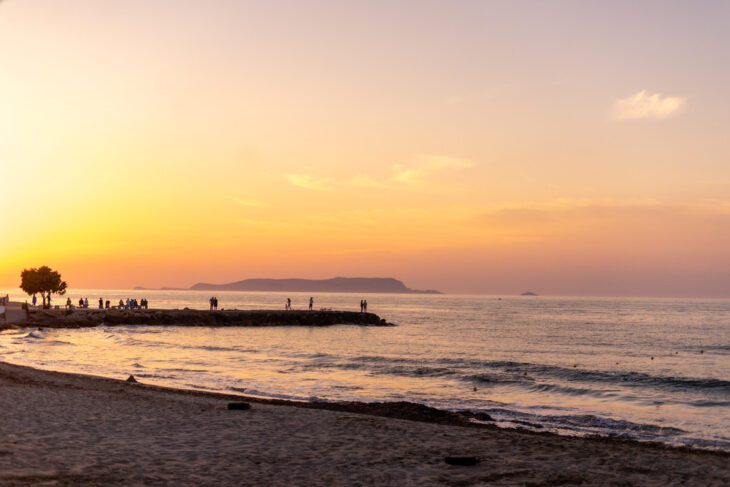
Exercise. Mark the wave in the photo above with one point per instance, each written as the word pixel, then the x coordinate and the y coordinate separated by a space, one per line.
pixel 573 391
pixel 587 423
pixel 538 377
pixel 130 341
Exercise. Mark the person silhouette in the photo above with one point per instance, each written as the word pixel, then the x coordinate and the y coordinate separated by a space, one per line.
pixel 288 304
pixel 101 303
pixel 311 303
pixel 365 305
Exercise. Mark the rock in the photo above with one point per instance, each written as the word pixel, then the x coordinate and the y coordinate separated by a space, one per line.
pixel 238 406
pixel 462 461
pixel 131 379
pixel 481 416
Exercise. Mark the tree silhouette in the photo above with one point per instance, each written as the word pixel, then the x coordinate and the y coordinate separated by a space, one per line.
pixel 43 280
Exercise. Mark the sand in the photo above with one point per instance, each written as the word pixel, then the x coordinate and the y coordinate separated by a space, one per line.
pixel 64 429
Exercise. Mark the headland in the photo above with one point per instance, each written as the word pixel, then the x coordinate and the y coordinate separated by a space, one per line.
pixel 383 285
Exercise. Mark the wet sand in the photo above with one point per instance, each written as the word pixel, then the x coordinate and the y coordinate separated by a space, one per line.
pixel 67 429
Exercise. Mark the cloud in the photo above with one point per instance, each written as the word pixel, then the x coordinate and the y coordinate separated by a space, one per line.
pixel 419 173
pixel 307 181
pixel 644 105
pixel 426 167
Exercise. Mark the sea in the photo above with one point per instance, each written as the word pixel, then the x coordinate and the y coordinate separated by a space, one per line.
pixel 646 369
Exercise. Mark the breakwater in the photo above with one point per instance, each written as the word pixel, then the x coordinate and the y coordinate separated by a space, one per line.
pixel 81 318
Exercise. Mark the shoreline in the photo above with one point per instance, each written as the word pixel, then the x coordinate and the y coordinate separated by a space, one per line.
pixel 410 440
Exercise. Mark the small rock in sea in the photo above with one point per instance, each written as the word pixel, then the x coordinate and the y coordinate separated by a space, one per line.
pixel 238 406
pixel 652 358
pixel 702 351
pixel 462 461
pixel 475 389
pixel 131 379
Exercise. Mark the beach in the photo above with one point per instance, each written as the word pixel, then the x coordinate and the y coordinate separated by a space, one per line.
pixel 68 429
pixel 660 375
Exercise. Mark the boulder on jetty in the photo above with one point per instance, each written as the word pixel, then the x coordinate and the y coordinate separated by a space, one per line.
pixel 82 318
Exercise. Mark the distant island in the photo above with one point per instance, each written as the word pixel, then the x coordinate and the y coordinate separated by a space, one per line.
pixel 336 285
pixel 528 293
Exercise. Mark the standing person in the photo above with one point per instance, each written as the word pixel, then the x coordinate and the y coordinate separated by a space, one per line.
pixel 68 303
pixel 311 303
pixel 35 300
pixel 288 304
pixel 215 301
pixel 365 305
pixel 86 302
pixel 211 303
pixel 362 306
pixel 101 303
pixel 108 304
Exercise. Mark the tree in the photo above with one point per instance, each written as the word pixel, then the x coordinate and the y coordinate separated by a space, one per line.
pixel 43 280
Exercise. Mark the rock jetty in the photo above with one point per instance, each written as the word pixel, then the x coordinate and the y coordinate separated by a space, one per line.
pixel 81 318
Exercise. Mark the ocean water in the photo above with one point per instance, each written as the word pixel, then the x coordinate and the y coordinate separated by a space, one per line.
pixel 647 369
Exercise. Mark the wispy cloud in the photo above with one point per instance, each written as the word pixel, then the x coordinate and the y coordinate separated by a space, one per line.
pixel 307 181
pixel 418 173
pixel 426 167
pixel 645 105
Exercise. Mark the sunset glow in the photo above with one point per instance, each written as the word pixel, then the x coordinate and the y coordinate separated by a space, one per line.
pixel 473 147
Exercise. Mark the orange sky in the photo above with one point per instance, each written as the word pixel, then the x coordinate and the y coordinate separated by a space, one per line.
pixel 470 146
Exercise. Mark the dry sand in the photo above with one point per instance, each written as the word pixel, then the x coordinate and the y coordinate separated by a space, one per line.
pixel 63 429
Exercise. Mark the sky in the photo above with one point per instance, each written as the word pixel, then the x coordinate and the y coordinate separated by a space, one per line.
pixel 563 147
